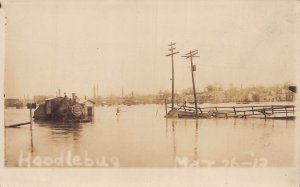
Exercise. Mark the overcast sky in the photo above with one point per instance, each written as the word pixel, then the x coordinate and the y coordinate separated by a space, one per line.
pixel 74 44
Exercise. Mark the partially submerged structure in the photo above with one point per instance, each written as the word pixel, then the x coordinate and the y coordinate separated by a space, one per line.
pixel 258 111
pixel 64 109
pixel 286 112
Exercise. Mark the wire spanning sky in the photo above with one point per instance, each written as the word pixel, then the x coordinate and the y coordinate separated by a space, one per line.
pixel 73 45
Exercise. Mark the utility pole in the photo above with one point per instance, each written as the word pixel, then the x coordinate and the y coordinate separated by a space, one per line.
pixel 172 53
pixel 191 55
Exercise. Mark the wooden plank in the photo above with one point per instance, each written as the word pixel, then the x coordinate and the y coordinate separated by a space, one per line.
pixel 16 125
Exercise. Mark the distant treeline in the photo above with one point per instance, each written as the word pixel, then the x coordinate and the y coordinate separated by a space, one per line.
pixel 214 93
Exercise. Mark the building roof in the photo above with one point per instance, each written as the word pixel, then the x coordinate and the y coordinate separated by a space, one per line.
pixel 52 98
pixel 89 101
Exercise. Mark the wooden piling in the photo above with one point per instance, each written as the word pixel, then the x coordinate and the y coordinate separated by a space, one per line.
pixel 166 108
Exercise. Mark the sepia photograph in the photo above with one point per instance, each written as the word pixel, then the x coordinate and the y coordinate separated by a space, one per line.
pixel 150 84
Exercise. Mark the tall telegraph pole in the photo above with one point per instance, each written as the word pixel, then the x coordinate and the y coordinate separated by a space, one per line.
pixel 172 53
pixel 191 55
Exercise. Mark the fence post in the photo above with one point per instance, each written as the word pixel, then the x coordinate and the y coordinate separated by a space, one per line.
pixel 293 110
pixel 252 110
pixel 234 110
pixel 200 110
pixel 272 109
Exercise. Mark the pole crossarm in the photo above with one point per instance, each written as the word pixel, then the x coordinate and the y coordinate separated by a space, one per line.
pixel 171 44
pixel 192 52
pixel 190 56
pixel 172 53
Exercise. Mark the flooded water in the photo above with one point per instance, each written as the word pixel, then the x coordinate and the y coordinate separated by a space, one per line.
pixel 140 136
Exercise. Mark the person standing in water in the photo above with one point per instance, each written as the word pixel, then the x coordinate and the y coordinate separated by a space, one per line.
pixel 118 111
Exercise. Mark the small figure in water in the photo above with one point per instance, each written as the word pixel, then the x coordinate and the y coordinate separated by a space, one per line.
pixel 118 111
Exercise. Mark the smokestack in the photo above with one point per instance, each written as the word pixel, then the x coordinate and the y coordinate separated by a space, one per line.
pixel 97 91
pixel 94 90
pixel 73 96
pixel 59 92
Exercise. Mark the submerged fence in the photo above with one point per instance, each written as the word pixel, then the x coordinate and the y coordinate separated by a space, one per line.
pixel 266 111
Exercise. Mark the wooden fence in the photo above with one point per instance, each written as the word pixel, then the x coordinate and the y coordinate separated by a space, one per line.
pixel 266 111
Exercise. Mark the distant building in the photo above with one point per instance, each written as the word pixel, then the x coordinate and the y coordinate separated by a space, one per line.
pixel 13 102
pixel 40 98
pixel 264 97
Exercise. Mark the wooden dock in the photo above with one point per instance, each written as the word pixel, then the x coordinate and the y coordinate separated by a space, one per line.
pixel 252 111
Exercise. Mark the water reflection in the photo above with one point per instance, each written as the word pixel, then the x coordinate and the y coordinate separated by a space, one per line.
pixel 166 126
pixel 31 139
pixel 140 136
pixel 194 123
pixel 234 122
pixel 196 142
pixel 65 130
pixel 174 139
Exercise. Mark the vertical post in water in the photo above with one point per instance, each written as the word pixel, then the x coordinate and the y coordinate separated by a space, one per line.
pixel 30 118
pixel 172 53
pixel 190 55
pixel 31 139
pixel 234 111
pixel 166 108
pixel 30 106
pixel 272 109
